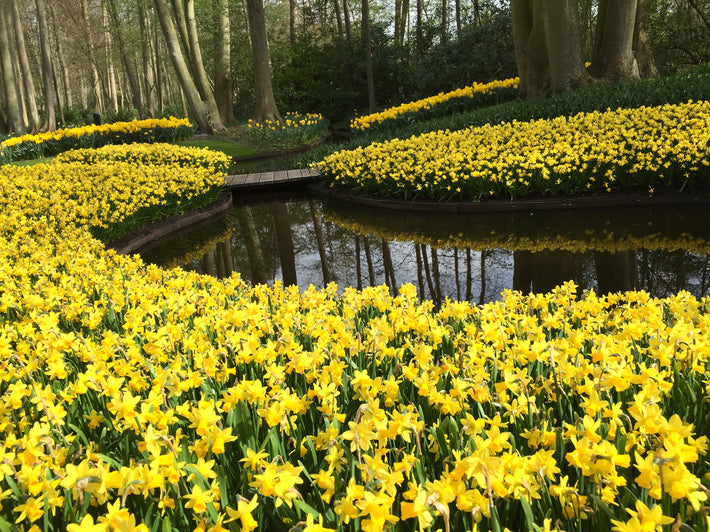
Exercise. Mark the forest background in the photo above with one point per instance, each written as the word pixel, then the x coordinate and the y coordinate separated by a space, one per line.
pixel 68 63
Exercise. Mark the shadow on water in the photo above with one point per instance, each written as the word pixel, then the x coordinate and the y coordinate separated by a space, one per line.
pixel 299 239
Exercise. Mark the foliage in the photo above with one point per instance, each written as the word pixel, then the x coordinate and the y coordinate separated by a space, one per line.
pixel 665 146
pixel 81 116
pixel 294 129
pixel 481 53
pixel 679 35
pixel 92 136
pixel 137 398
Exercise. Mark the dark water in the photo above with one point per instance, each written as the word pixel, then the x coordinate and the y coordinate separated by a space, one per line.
pixel 304 240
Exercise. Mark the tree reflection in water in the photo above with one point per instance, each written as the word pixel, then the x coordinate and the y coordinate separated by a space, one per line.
pixel 472 257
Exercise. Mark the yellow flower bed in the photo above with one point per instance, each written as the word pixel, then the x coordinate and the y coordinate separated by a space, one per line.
pixel 136 398
pixel 474 91
pixel 588 152
pixel 54 142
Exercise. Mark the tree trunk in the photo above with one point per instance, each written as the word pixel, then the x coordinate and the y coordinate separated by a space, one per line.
pixel 613 57
pixel 457 12
pixel 127 59
pixel 444 20
pixel 265 104
pixel 202 82
pixel 47 70
pixel 110 70
pixel 419 32
pixel 149 58
pixel 642 43
pixel 197 106
pixel 12 90
pixel 367 47
pixel 347 17
pixel 91 52
pixel 564 46
pixel 531 47
pixel 68 100
pixel 292 8
pixel 27 77
pixel 547 46
pixel 223 88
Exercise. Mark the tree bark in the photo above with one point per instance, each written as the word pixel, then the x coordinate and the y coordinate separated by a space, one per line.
pixel 27 78
pixel 564 46
pixel 197 106
pixel 367 47
pixel 223 88
pixel 149 58
pixel 47 70
pixel 642 43
pixel 444 21
pixel 547 46
pixel 292 8
pixel 110 70
pixel 91 52
pixel 265 103
pixel 12 90
pixel 66 99
pixel 127 59
pixel 202 82
pixel 419 32
pixel 613 57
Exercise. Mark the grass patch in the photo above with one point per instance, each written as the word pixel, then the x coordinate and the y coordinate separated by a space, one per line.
pixel 33 162
pixel 229 147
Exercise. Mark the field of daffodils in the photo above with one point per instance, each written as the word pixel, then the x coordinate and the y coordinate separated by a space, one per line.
pixel 138 398
pixel 591 152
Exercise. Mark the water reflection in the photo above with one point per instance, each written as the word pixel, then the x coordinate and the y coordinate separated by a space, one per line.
pixel 474 257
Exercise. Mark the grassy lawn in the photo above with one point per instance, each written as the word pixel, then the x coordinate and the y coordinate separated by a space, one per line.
pixel 230 147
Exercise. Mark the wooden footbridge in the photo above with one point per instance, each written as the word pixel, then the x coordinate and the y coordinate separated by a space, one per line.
pixel 268 179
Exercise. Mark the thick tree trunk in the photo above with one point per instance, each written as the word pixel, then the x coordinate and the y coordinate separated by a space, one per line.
pixel 202 82
pixel 642 43
pixel 223 89
pixel 127 59
pixel 564 47
pixel 547 46
pixel 265 103
pixel 367 47
pixel 12 90
pixel 47 70
pixel 27 78
pixel 197 106
pixel 613 57
pixel 531 47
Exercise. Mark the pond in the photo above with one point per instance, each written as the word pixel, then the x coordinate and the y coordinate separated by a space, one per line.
pixel 304 240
